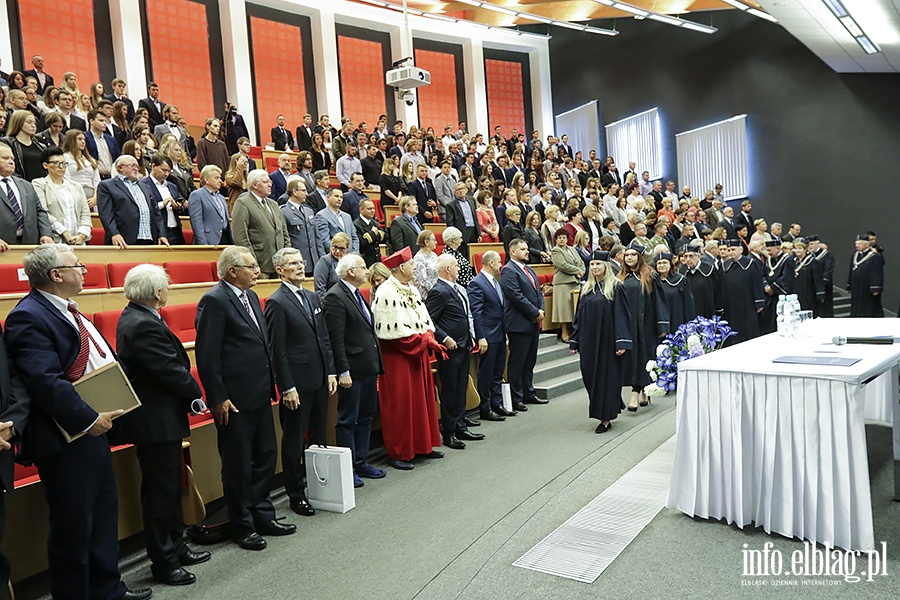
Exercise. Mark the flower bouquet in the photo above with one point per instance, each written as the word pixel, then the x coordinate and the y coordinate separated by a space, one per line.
pixel 694 338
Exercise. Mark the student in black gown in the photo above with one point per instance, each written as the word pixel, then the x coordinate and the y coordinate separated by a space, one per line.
pixel 866 280
pixel 808 283
pixel 677 291
pixel 824 257
pixel 705 281
pixel 601 334
pixel 778 280
pixel 742 280
pixel 649 321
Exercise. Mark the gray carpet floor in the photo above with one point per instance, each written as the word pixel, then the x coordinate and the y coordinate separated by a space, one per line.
pixel 451 528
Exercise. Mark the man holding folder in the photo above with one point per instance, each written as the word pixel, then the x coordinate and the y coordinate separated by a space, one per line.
pixel 53 346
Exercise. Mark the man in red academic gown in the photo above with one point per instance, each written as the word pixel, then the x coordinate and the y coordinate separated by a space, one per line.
pixel 409 420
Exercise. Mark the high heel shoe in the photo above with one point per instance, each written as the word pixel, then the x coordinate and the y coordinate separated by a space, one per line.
pixel 645 400
pixel 633 405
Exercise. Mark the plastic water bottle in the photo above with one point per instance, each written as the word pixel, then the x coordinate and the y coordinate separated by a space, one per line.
pixel 780 321
pixel 795 315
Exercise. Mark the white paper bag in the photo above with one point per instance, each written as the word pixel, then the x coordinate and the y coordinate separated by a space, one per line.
pixel 507 397
pixel 329 478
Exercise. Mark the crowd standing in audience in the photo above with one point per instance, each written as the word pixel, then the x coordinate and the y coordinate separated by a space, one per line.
pixel 643 258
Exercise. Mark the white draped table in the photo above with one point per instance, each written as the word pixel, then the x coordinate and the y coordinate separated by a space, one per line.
pixel 783 446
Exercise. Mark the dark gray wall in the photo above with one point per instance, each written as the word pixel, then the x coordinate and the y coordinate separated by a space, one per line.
pixel 824 146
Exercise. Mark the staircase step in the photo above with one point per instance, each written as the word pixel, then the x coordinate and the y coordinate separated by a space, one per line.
pixel 547 339
pixel 559 386
pixel 551 353
pixel 568 365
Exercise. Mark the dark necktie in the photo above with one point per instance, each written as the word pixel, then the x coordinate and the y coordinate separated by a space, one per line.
pixel 498 290
pixel 246 303
pixel 362 306
pixel 14 204
pixel 76 371
pixel 304 304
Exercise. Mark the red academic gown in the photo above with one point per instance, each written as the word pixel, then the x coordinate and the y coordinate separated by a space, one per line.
pixel 409 417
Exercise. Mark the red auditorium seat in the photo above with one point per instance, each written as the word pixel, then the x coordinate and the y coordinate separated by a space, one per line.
pixel 188 271
pixel 9 280
pixel 439 239
pixel 180 319
pixel 379 214
pixel 97 235
pixel 117 272
pixel 95 278
pixel 255 153
pixel 188 236
pixel 271 163
pixel 206 415
pixel 479 256
pixel 367 294
pixel 214 270
pixel 106 322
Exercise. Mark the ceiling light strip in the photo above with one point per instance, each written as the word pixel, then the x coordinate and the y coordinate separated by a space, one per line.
pixel 641 13
pixel 505 10
pixel 753 11
pixel 856 32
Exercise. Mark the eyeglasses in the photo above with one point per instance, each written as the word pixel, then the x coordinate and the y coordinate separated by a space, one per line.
pixel 341 248
pixel 80 266
pixel 296 263
pixel 252 267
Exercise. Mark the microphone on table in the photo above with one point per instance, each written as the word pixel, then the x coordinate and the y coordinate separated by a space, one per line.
pixel 840 340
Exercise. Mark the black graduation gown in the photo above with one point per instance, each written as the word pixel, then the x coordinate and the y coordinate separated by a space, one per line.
pixel 679 298
pixel 744 296
pixel 826 306
pixel 600 328
pixel 649 317
pixel 865 280
pixel 706 288
pixel 808 283
pixel 780 277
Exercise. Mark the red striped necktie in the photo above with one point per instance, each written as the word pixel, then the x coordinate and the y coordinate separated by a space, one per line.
pixel 76 371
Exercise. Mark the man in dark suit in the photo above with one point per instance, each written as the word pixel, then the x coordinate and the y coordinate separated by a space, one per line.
pixel 744 217
pixel 354 196
pixel 37 71
pixel 304 133
pixel 153 105
pixel 159 370
pixel 235 369
pixel 632 168
pixel 357 360
pixel 461 214
pixel 448 307
pixel 23 218
pixel 165 194
pixel 524 312
pixel 13 414
pixel 128 214
pixel 53 345
pixel 304 370
pixel 282 137
pixel 564 145
pixel 611 176
pixel 405 228
pixel 423 190
pixel 280 177
pixel 370 235
pixel 65 104
pixel 118 95
pixel 117 133
pixel 234 129
pixel 101 145
pixel 487 303
pixel 728 223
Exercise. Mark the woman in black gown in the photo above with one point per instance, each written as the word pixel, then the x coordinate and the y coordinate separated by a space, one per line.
pixel 677 290
pixel 601 334
pixel 809 283
pixel 649 320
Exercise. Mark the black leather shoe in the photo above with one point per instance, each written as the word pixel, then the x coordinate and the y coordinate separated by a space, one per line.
pixel 434 454
pixel 520 407
pixel 403 465
pixel 302 507
pixel 251 541
pixel 468 435
pixel 536 401
pixel 193 558
pixel 492 416
pixel 138 594
pixel 503 412
pixel 451 441
pixel 274 527
pixel 176 576
pixel 601 428
pixel 471 422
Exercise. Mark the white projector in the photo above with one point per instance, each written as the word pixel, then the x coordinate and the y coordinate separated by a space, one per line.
pixel 407 77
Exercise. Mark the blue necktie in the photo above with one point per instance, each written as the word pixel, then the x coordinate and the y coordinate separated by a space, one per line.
pixel 362 306
pixel 498 290
pixel 14 204
pixel 304 304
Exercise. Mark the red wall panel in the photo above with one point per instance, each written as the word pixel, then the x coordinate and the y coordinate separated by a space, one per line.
pixel 362 81
pixel 72 48
pixel 273 42
pixel 505 95
pixel 180 54
pixel 438 102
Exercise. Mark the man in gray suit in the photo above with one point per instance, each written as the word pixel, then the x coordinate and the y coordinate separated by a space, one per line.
pixel 301 224
pixel 23 219
pixel 170 125
pixel 443 187
pixel 257 222
pixel 331 220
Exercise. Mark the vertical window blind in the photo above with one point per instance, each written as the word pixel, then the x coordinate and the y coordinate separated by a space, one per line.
pixel 636 138
pixel 715 153
pixel 582 125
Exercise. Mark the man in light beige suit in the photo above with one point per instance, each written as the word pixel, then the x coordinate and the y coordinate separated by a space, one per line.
pixel 64 201
pixel 257 222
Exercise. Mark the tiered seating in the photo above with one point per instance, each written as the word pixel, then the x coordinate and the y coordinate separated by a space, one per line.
pixel 205 416
pixel 478 259
pixel 180 319
pixel 106 322
pixel 12 280
pixel 189 271
pixel 118 271
pixel 96 277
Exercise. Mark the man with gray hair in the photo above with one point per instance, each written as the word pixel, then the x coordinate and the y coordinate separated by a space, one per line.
pixel 160 373
pixel 23 218
pixel 257 222
pixel 53 345
pixel 128 214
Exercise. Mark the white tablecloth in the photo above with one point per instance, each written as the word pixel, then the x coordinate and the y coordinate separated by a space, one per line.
pixel 783 446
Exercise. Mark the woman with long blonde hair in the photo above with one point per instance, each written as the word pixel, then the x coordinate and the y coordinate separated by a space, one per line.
pixel 601 334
